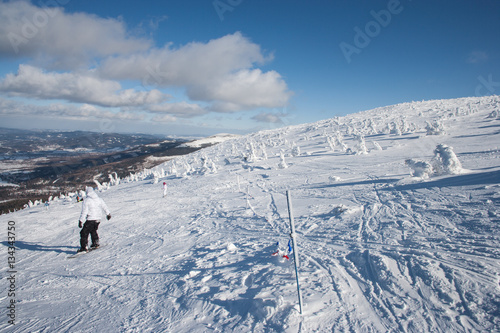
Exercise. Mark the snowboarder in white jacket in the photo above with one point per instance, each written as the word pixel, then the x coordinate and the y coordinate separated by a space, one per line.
pixel 91 215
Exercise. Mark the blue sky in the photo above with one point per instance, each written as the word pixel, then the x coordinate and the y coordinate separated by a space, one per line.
pixel 204 67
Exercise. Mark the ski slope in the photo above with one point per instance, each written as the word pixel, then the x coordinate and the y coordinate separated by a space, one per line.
pixel 380 250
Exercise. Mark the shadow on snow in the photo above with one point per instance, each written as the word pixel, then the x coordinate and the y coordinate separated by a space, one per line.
pixel 37 247
pixel 484 178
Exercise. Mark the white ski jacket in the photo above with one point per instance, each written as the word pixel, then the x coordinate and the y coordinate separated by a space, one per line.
pixel 93 206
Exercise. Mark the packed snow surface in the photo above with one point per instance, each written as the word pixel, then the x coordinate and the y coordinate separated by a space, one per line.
pixel 397 223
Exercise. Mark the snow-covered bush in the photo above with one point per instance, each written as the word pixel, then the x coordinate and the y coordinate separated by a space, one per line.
pixel 420 169
pixel 331 142
pixel 334 179
pixel 494 114
pixel 114 179
pixel 377 145
pixel 282 164
pixel 337 140
pixel 405 126
pixel 370 127
pixel 133 177
pixel 173 169
pixel 295 150
pixel 205 165
pixel 264 153
pixel 350 130
pixel 445 161
pixel 251 155
pixel 99 186
pixel 361 146
pixel 436 128
pixel 395 129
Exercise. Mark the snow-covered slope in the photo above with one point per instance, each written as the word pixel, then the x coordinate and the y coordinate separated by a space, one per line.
pixel 380 250
pixel 211 140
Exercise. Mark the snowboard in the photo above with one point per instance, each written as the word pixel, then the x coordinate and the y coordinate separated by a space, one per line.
pixel 81 253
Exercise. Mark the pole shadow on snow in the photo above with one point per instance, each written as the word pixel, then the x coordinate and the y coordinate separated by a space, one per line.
pixel 37 247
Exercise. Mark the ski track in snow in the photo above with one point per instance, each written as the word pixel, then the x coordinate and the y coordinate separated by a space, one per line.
pixel 380 251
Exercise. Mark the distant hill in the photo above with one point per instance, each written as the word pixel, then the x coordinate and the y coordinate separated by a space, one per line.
pixel 22 144
pixel 37 164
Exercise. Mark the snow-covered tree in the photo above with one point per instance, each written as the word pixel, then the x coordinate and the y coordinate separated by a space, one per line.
pixel 445 160
pixel 331 142
pixel 114 179
pixel 264 153
pixel 361 145
pixel 282 164
pixel 99 185
pixel 435 128
pixel 173 169
pixel 395 129
pixel 295 150
pixel 251 155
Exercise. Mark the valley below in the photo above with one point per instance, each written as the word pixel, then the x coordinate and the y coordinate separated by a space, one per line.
pixel 35 165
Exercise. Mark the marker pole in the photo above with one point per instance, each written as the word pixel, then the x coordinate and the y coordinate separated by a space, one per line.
pixel 294 242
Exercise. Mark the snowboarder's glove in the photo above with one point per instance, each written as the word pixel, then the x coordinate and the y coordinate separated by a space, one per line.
pixel 108 217
pixel 80 224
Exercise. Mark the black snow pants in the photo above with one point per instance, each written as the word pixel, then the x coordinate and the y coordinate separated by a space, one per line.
pixel 90 227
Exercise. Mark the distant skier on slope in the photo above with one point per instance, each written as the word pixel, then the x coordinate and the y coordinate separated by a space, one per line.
pixel 92 209
pixel 164 189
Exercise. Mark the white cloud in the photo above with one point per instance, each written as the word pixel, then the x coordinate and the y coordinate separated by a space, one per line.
pixel 60 48
pixel 244 90
pixel 191 64
pixel 219 71
pixel 59 39
pixel 272 118
pixel 75 87
pixel 182 109
pixel 164 119
pixel 57 110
